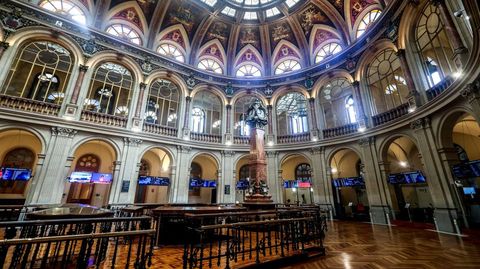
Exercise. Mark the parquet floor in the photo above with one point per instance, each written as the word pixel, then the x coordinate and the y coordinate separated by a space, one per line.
pixel 360 245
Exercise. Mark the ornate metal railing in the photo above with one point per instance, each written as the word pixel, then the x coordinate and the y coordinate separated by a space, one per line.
pixel 225 245
pixel 341 130
pixel 98 250
pixel 287 139
pixel 104 119
pixel 209 138
pixel 158 129
pixel 241 140
pixel 390 115
pixel 29 105
pixel 439 88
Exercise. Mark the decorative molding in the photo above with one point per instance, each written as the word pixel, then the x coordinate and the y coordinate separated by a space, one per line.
pixel 317 150
pixel 4 45
pixel 228 153
pixel 64 132
pixel 366 141
pixel 471 91
pixel 184 149
pixel 421 123
pixel 83 68
pixel 134 142
pixel 271 154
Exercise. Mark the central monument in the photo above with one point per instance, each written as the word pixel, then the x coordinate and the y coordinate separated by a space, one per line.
pixel 257 197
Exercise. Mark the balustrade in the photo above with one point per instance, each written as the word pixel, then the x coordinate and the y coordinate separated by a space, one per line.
pixel 104 119
pixel 390 115
pixel 158 129
pixel 296 138
pixel 241 140
pixel 208 138
pixel 341 130
pixel 439 88
pixel 29 105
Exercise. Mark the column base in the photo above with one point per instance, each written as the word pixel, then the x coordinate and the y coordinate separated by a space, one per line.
pixel 446 220
pixel 378 214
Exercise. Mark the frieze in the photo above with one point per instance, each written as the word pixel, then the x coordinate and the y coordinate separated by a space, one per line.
pixel 64 132
pixel 134 142
pixel 184 149
pixel 420 123
pixel 228 153
pixel 271 154
pixel 317 150
pixel 471 91
pixel 366 141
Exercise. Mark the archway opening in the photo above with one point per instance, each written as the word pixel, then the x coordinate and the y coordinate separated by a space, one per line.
pixel 18 154
pixel 407 182
pixel 154 177
pixel 297 180
pixel 349 192
pixel 203 180
pixel 91 174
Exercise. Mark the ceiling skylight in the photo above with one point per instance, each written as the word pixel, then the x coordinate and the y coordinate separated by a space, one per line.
pixel 250 16
pixel 209 2
pixel 291 3
pixel 229 11
pixel 272 12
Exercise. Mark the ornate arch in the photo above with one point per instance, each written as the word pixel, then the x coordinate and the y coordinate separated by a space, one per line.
pixel 447 122
pixel 167 151
pixel 209 88
pixel 320 82
pixel 213 49
pixel 87 7
pixel 128 13
pixel 337 149
pixel 287 89
pixel 255 58
pixel 285 50
pixel 360 16
pixel 385 144
pixel 369 54
pixel 116 148
pixel 112 56
pixel 291 154
pixel 182 42
pixel 240 94
pixel 171 76
pixel 28 129
pixel 320 36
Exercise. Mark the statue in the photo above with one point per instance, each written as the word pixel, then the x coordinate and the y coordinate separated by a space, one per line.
pixel 257 115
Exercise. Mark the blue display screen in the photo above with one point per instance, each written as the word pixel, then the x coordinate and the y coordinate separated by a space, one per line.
pixel 157 181
pixel 101 178
pixel 202 183
pixel 80 177
pixel 20 174
pixel 242 184
pixel 348 182
pixel 407 178
pixel 469 190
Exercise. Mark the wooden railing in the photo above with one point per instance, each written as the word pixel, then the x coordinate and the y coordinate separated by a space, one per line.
pixel 104 119
pixel 390 115
pixel 341 130
pixel 209 138
pixel 158 129
pixel 287 139
pixel 29 105
pixel 241 140
pixel 439 88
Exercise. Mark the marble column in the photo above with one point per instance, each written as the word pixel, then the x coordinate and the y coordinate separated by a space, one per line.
pixel 413 96
pixel 274 179
pixel 186 118
pixel 313 113
pixel 78 84
pixel 460 51
pixel 357 95
pixel 322 187
pixel 227 179
pixel 139 107
pixel 179 185
pixel 438 177
pixel 36 178
pixel 3 47
pixel 228 132
pixel 270 134
pixel 50 185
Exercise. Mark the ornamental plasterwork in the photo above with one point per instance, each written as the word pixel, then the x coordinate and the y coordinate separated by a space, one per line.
pixel 64 132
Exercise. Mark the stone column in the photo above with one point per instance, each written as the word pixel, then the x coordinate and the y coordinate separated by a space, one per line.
pixel 228 133
pixel 413 96
pixel 128 173
pixel 313 113
pixel 138 109
pixel 472 94
pixel 78 84
pixel 322 187
pixel 179 185
pixel 460 51
pixel 374 184
pixel 228 178
pixel 3 47
pixel 186 118
pixel 271 134
pixel 438 177
pixel 36 178
pixel 384 173
pixel 357 95
pixel 52 177
pixel 274 181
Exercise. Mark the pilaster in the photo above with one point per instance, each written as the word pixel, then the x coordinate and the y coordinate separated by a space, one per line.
pixel 179 184
pixel 274 180
pixel 227 179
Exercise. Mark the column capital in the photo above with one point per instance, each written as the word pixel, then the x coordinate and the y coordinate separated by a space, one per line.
pixel 184 149
pixel 317 150
pixel 188 98
pixel 64 132
pixel 83 68
pixel 421 123
pixel 143 86
pixel 228 153
pixel 471 91
pixel 311 99
pixel 4 45
pixel 134 142
pixel 366 141
pixel 356 83
pixel 229 106
pixel 271 154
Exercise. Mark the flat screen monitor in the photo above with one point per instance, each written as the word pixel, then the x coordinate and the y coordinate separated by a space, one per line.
pixel 475 167
pixel 469 190
pixel 19 174
pixel 209 184
pixel 80 177
pixel 156 181
pixel 301 184
pixel 463 170
pixel 414 177
pixel 396 179
pixel 196 182
pixel 242 184
pixel 101 178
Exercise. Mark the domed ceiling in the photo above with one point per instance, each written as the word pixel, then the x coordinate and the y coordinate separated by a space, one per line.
pixel 256 37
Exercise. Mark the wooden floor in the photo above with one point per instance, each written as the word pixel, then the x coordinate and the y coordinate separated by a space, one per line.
pixel 361 245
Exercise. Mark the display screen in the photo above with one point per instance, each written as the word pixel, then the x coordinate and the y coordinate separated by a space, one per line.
pixel 209 184
pixel 463 171
pixel 202 183
pixel 396 179
pixel 242 184
pixel 475 167
pixel 101 178
pixel 80 177
pixel 414 177
pixel 302 184
pixel 469 190
pixel 348 182
pixel 20 174
pixel 156 181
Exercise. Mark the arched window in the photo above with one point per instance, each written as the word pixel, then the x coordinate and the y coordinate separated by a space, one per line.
pixel 88 163
pixel 40 71
pixel 171 51
pixel 241 106
pixel 244 172
pixel 327 51
pixel 17 158
pixel 303 172
pixel 65 8
pixel 198 119
pixel 386 81
pixel 292 114
pixel 287 66
pixel 248 70
pixel 350 107
pixel 110 90
pixel 124 32
pixel 206 113
pixel 434 46
pixel 332 100
pixel 367 21
pixel 210 65
pixel 162 103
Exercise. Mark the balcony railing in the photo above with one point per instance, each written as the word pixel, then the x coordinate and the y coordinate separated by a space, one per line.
pixel 158 129
pixel 209 138
pixel 241 140
pixel 390 115
pixel 439 88
pixel 287 139
pixel 341 130
pixel 29 105
pixel 104 119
